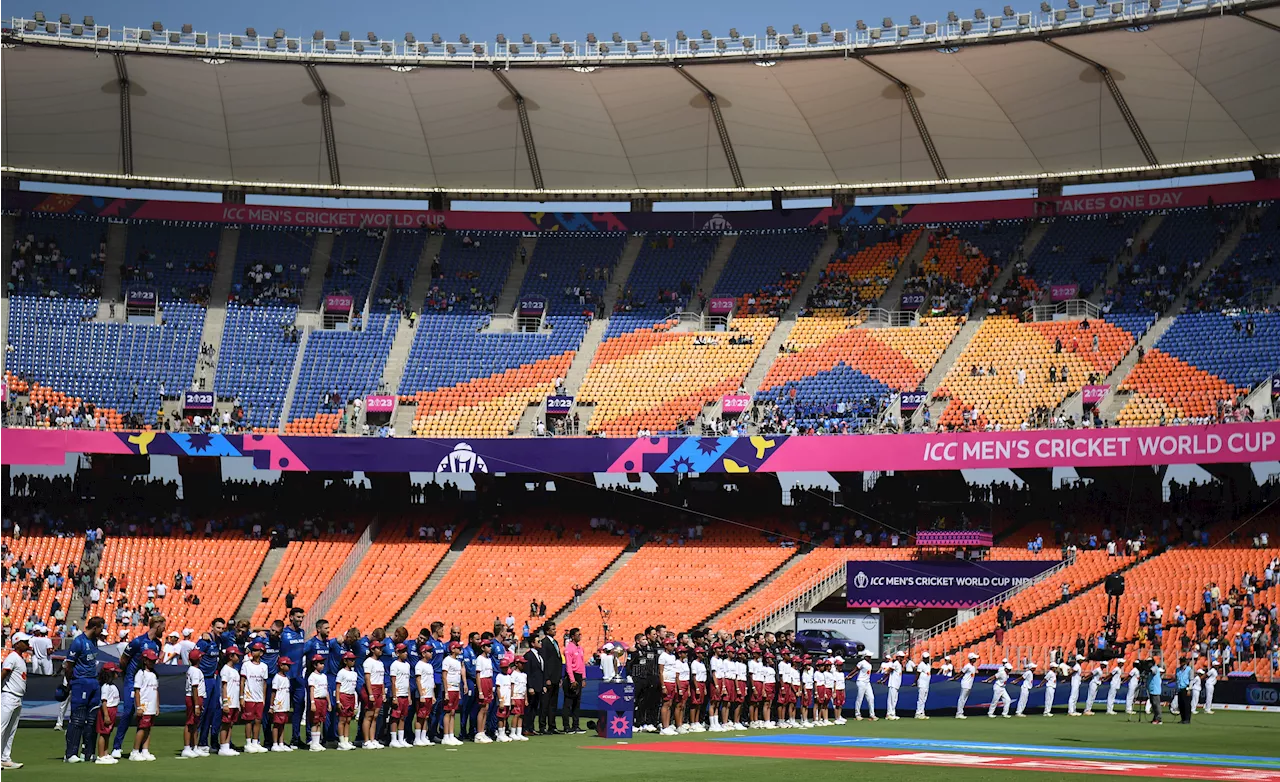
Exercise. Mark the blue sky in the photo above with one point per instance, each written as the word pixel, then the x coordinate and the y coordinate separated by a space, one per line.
pixel 571 19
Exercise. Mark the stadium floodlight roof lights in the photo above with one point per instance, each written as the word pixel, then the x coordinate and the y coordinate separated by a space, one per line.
pixel 1071 14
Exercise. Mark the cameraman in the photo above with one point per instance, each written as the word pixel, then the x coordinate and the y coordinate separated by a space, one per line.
pixel 1184 690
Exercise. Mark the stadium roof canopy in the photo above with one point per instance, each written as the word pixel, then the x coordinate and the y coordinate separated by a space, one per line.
pixel 1123 90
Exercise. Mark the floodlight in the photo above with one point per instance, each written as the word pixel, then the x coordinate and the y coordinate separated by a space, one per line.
pixel 825 28
pixel 931 28
pixel 644 37
pixel 250 33
pixel 783 41
pixel 64 20
pixel 39 17
pixel 236 42
pixel 617 38
pixel 812 38
pixel 463 39
pixel 769 31
pixel 721 45
pixel 175 37
pixel 966 25
pixel 103 33
pixel 410 38
pixel 604 48
pixel 839 37
pixel 1045 8
pixel 680 36
pixel 344 36
pixel 500 39
pixel 952 18
pixel 979 14
pixel 318 35
pixel 555 39
pixel 526 39
pixel 706 35
pixel 514 48
pixel 887 23
pixel 478 49
pixel 435 39
pixel 567 48
pixel 1155 5
pixel 693 46
pixel 1088 12
pixel 157 27
pixel 144 35
pixel 1060 15
pixel 747 44
pixel 542 49
pixel 903 31
pixel 77 29
pixel 875 34
pixel 279 32
pixel 1024 20
pixel 292 44
pixel 330 46
pixel 88 22
pixel 186 29
pixel 358 46
pixel 451 49
pixel 1073 4
pixel 659 47
pixel 796 30
pixel 371 36
pixel 996 22
pixel 631 48
pixel 915 20
pixel 423 49
pixel 861 25
pixel 591 38
pixel 271 43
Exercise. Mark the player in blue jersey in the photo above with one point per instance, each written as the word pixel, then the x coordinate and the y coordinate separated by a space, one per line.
pixel 292 641
pixel 439 649
pixel 329 650
pixel 211 646
pixel 131 663
pixel 498 651
pixel 469 707
pixel 81 673
pixel 271 656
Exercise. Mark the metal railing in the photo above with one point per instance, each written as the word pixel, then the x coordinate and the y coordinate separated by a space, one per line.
pixel 877 317
pixel 409 51
pixel 917 638
pixel 1073 308
pixel 827 580
pixel 325 601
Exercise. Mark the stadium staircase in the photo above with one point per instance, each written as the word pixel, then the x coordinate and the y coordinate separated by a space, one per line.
pixel 1076 591
pixel 940 369
pixel 1115 400
pixel 293 377
pixel 8 234
pixel 464 536
pixel 755 589
pixel 215 316
pixel 595 332
pixel 1112 277
pixel 718 261
pixel 1029 244
pixel 113 272
pixel 377 275
pixel 782 614
pixel 782 332
pixel 617 564
pixel 515 278
pixel 265 573
pixel 311 295
pixel 892 298
pixel 320 607
pixel 422 275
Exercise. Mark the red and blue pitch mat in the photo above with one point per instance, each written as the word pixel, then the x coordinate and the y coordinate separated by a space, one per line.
pixel 970 754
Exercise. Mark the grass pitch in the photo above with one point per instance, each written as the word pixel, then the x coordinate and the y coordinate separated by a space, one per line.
pixel 570 759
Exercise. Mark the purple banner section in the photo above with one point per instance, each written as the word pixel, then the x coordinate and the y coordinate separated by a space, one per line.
pixel 912 301
pixel 720 305
pixel 941 584
pixel 559 405
pixel 818 218
pixel 1064 292
pixel 532 306
pixel 141 297
pixel 910 401
pixel 338 303
pixel 197 401
pixel 1121 447
pixel 953 538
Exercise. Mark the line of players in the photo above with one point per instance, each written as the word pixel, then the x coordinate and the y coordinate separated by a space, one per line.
pixel 427 687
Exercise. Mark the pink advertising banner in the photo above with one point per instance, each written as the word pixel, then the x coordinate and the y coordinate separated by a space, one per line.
pixel 721 305
pixel 1225 443
pixel 337 302
pixel 1092 395
pixel 379 403
pixel 735 404
pixel 1064 292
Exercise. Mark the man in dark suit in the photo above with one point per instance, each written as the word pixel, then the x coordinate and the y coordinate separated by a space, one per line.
pixel 533 668
pixel 553 671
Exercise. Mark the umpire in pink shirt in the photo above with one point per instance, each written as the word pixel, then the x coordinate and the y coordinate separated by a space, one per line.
pixel 575 675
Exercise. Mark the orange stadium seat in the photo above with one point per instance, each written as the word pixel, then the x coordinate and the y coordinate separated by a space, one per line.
pixel 653 379
pixel 1007 345
pixel 679 586
pixel 38 552
pixel 487 406
pixel 1165 388
pixel 388 576
pixel 224 567
pixel 868 271
pixel 495 578
pixel 1174 578
pixel 306 569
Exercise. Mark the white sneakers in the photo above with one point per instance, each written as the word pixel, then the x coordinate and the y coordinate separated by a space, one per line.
pixel 421 743
pixel 482 738
pixel 452 741
pixel 228 752
pixel 202 752
pixel 314 746
pixel 188 752
pixel 256 749
pixel 279 748
pixel 115 754
pixel 141 756
pixel 107 760
pixel 343 746
pixel 670 730
pixel 73 759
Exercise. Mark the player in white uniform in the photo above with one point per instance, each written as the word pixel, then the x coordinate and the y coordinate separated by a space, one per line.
pixel 923 671
pixel 1095 681
pixel 947 669
pixel 1210 681
pixel 807 678
pixel 838 690
pixel 171 652
pixel 697 711
pixel 1077 670
pixel 895 684
pixel 519 689
pixel 967 674
pixel 347 684
pixel 863 685
pixel 281 704
pixel 1000 694
pixel 1113 691
pixel 1027 685
pixel 146 694
pixel 1132 690
pixel 253 697
pixel 229 682
pixel 1050 687
pixel 425 676
pixel 1197 681
pixel 375 677
pixel 12 691
pixel 454 685
pixel 502 699
pixel 400 694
